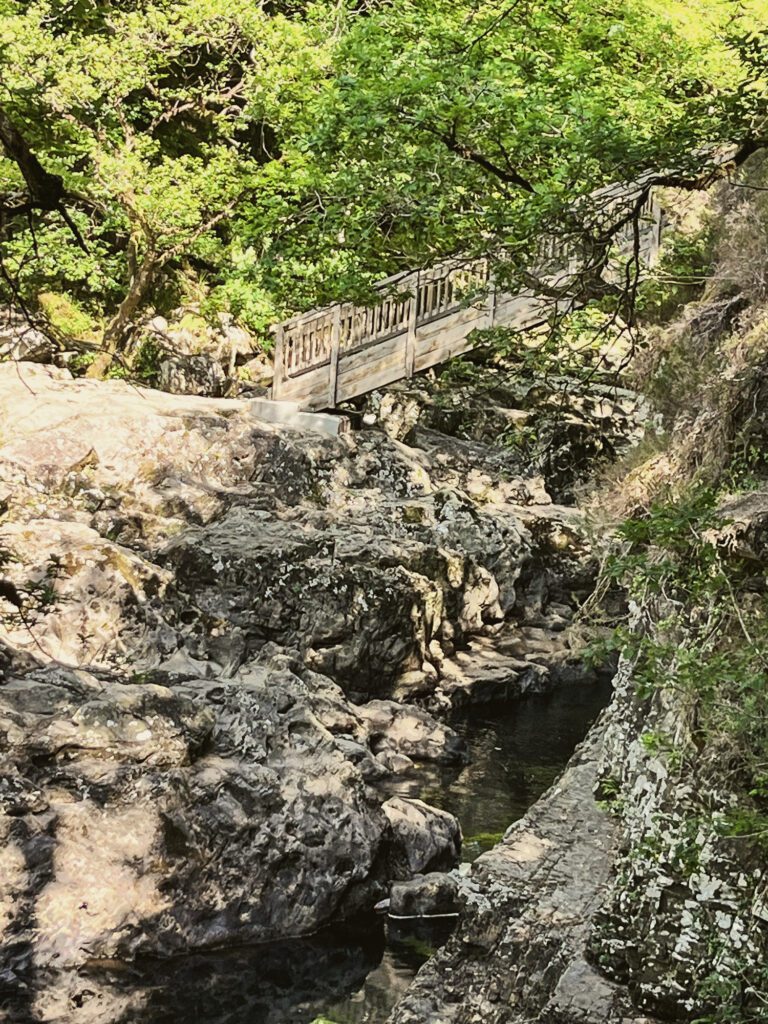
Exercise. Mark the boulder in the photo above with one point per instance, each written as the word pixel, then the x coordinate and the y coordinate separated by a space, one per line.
pixel 21 340
pixel 396 729
pixel 141 818
pixel 429 895
pixel 423 838
pixel 192 375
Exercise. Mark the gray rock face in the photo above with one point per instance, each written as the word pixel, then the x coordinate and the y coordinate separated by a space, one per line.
pixel 425 839
pixel 143 818
pixel 547 427
pixel 181 528
pixel 521 951
pixel 425 896
pixel 685 922
pixel 192 375
pixel 21 340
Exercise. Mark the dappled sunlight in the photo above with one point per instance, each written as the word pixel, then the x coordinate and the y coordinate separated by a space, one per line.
pixel 103 885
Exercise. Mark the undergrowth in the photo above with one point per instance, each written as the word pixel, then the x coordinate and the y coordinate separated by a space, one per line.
pixel 698 632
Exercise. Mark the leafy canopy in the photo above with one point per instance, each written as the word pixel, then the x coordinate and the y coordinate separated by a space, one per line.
pixel 284 154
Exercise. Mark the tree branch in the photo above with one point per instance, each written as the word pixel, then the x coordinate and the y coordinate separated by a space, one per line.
pixel 509 177
pixel 45 190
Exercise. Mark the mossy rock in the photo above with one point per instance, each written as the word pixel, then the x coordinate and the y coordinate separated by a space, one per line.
pixel 483 841
pixel 194 323
pixel 66 316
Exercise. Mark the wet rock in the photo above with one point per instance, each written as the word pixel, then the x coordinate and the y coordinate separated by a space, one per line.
pixel 425 895
pixel 199 776
pixel 521 950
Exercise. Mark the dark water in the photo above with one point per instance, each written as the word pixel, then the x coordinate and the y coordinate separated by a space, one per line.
pixel 354 975
pixel 517 751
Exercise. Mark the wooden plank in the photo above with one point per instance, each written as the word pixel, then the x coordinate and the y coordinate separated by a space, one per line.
pixel 378 378
pixel 434 329
pixel 364 348
pixel 355 368
pixel 440 355
pixel 409 348
pixel 311 382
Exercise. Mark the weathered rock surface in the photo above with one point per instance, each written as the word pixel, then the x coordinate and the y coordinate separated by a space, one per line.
pixel 198 608
pixel 685 924
pixel 531 424
pixel 163 530
pixel 427 895
pixel 140 817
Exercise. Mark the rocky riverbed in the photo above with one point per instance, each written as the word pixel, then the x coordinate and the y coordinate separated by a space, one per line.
pixel 221 638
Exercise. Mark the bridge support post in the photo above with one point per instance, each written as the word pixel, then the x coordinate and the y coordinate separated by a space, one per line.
pixel 333 369
pixel 410 337
pixel 279 374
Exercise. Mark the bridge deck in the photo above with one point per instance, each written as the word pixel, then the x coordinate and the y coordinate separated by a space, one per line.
pixel 328 355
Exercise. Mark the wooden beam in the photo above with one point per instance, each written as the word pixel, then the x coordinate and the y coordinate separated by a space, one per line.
pixel 410 335
pixel 279 377
pixel 333 367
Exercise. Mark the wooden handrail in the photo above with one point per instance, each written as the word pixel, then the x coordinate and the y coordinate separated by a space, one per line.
pixel 327 355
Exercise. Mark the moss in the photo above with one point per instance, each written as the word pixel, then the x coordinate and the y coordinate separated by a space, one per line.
pixel 195 324
pixel 413 514
pixel 483 840
pixel 66 316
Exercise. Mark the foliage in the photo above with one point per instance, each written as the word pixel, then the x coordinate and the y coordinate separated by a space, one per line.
pixel 711 644
pixel 580 344
pixel 697 641
pixel 743 238
pixel 286 155
pixel 679 276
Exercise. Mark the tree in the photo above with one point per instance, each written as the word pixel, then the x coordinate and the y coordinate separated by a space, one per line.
pixel 160 118
pixel 465 127
pixel 286 155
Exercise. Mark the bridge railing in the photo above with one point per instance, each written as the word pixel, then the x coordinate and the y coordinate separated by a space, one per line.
pixel 328 355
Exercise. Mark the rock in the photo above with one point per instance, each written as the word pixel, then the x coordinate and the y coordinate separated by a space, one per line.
pixel 396 413
pixel 237 602
pixel 21 340
pixel 258 371
pixel 88 599
pixel 410 732
pixel 393 762
pixel 520 952
pixel 156 820
pixel 425 896
pixel 192 375
pixel 423 837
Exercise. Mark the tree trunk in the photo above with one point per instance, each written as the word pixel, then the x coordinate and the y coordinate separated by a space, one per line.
pixel 116 332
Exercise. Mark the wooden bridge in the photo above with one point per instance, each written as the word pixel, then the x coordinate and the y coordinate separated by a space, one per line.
pixel 328 355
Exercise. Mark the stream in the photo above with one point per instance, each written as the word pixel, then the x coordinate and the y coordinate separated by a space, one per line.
pixel 356 973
